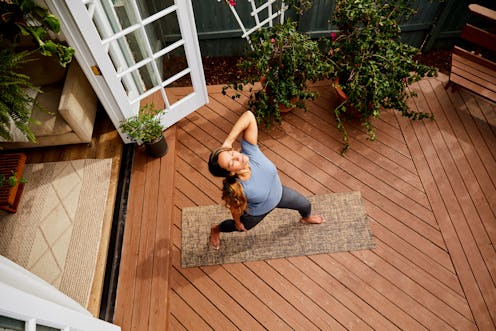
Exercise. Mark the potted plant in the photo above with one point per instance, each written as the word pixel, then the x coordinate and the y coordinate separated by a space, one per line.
pixel 11 180
pixel 373 66
pixel 21 19
pixel 283 60
pixel 145 128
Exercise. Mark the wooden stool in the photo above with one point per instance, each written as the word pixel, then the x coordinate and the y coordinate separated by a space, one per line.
pixel 11 164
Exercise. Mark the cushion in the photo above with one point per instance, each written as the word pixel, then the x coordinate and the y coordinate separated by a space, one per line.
pixel 51 121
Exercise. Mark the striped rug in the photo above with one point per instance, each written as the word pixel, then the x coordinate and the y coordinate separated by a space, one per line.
pixel 56 231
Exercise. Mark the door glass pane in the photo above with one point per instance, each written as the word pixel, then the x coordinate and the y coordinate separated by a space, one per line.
pixel 174 63
pixel 11 324
pixel 150 7
pixel 123 14
pixel 45 328
pixel 163 32
pixel 179 93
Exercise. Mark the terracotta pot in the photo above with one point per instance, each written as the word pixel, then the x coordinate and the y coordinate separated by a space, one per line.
pixel 339 91
pixel 282 108
pixel 342 97
pixel 285 109
pixel 263 79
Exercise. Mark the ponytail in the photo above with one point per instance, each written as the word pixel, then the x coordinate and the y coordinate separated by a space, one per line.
pixel 233 195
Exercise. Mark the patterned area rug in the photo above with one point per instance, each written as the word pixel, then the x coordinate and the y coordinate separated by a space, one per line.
pixel 280 234
pixel 56 231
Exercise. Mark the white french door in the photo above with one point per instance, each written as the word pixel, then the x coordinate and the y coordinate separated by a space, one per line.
pixel 131 49
pixel 29 303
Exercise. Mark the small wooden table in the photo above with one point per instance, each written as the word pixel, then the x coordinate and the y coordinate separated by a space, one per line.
pixel 11 164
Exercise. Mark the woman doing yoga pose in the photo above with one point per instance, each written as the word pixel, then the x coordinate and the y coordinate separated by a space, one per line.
pixel 251 186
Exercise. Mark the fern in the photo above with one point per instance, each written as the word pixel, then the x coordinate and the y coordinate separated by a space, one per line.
pixel 15 103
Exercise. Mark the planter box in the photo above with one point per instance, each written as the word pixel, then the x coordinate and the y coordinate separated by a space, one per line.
pixel 10 195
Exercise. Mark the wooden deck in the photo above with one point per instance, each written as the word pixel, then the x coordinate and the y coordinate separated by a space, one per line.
pixel 430 194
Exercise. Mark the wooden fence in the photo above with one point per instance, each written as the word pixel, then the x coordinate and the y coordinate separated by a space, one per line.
pixel 436 24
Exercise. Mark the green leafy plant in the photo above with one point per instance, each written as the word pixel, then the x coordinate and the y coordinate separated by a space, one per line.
pixel 15 103
pixel 283 60
pixel 11 180
pixel 20 18
pixel 27 18
pixel 145 127
pixel 374 68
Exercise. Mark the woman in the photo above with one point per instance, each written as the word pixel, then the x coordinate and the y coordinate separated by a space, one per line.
pixel 251 186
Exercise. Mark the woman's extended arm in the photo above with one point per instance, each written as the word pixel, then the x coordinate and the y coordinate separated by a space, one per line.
pixel 246 124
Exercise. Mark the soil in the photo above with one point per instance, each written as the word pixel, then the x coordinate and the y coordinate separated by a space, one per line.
pixel 221 70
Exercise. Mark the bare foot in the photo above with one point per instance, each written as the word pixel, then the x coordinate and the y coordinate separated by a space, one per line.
pixel 314 219
pixel 215 237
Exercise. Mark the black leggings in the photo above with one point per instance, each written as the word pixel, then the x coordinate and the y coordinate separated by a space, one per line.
pixel 290 200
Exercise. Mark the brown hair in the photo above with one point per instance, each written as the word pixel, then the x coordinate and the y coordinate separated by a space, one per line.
pixel 233 195
pixel 213 163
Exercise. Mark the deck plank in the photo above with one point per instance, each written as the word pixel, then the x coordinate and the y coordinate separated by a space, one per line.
pixel 428 189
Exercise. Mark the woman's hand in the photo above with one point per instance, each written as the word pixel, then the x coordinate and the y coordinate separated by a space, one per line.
pixel 246 124
pixel 237 219
pixel 240 226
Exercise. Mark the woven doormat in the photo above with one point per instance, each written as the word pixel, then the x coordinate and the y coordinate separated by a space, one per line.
pixel 57 229
pixel 280 234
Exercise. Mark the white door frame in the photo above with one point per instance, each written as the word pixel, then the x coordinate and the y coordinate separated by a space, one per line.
pixel 82 34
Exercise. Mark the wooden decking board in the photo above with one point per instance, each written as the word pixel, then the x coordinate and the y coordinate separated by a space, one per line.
pixel 270 297
pixel 451 220
pixel 222 299
pixel 347 298
pixel 295 296
pixel 317 116
pixel 144 270
pixel 329 180
pixel 414 237
pixel 184 290
pixel 428 296
pixel 460 171
pixel 181 311
pixel 431 264
pixel 425 279
pixel 367 293
pixel 355 179
pixel 127 275
pixel 475 204
pixel 393 291
pixel 370 166
pixel 162 238
pixel 434 265
pixel 251 303
pixel 469 211
pixel 481 159
pixel 321 295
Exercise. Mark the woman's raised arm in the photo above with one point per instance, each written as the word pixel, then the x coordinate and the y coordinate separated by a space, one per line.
pixel 246 124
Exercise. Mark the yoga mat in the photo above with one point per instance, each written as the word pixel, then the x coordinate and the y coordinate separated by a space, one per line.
pixel 280 234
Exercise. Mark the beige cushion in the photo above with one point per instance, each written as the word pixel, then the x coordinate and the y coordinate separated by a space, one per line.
pixel 51 121
pixel 78 103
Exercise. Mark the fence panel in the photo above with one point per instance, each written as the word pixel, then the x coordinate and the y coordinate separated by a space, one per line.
pixel 437 22
pixel 450 21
